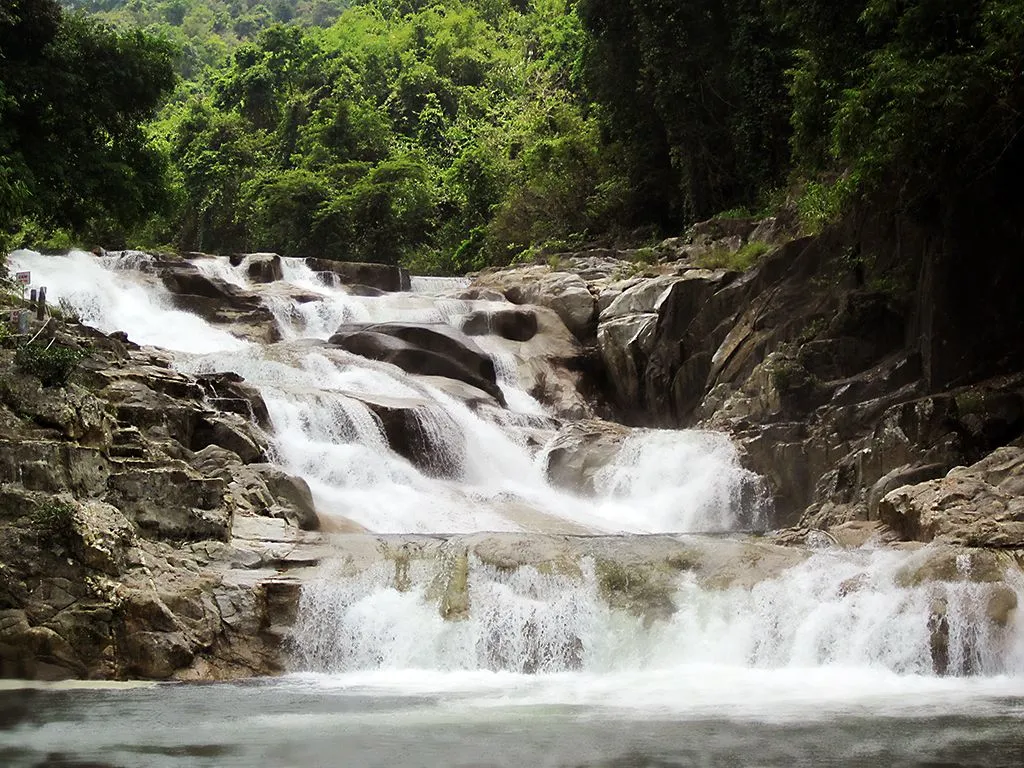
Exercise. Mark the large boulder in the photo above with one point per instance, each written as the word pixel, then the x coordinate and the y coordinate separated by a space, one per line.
pixel 625 343
pixel 431 349
pixel 566 293
pixel 643 296
pixel 514 324
pixel 549 362
pixel 580 450
pixel 384 277
pixel 261 267
pixel 423 434
pixel 980 506
pixel 218 301
pixel 185 279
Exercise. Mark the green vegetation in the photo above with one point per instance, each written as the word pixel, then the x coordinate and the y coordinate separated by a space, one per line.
pixel 52 363
pixel 74 97
pixel 455 134
pixel 739 260
pixel 54 517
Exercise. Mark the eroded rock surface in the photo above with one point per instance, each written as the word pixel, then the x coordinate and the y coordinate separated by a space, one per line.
pixel 980 506
pixel 429 349
pixel 124 501
pixel 839 377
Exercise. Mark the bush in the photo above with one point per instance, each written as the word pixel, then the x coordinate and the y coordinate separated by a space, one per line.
pixel 737 261
pixel 823 203
pixel 52 364
pixel 54 517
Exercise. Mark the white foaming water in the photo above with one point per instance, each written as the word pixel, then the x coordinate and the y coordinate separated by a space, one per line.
pixel 519 621
pixel 485 478
pixel 687 481
pixel 437 286
pixel 836 632
pixel 221 269
pixel 839 619
pixel 108 296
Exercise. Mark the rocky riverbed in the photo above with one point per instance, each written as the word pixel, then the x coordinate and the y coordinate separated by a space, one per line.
pixel 153 526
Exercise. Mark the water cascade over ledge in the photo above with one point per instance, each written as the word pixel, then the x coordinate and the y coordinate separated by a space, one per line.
pixel 324 404
pixel 623 597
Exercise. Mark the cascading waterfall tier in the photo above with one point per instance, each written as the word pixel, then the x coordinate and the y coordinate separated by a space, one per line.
pixel 462 469
pixel 834 609
pixel 598 615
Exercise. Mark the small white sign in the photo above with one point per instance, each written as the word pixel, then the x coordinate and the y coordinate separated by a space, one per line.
pixel 23 277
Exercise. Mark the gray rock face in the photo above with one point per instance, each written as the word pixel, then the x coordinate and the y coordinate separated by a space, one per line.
pixel 626 343
pixel 424 435
pixel 579 450
pixel 261 267
pixel 565 293
pixel 215 300
pixel 172 503
pixel 978 506
pixel 642 297
pixel 430 349
pixel 383 277
pixel 519 324
pixel 119 500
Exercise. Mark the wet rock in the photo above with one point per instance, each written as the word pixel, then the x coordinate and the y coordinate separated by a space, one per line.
pixel 365 290
pixel 625 343
pixel 555 368
pixel 185 280
pixel 219 302
pixel 294 494
pixel 565 293
pixel 580 450
pixel 518 324
pixel 431 349
pixel 261 267
pixel 228 391
pixel 422 433
pixel 232 432
pixel 383 277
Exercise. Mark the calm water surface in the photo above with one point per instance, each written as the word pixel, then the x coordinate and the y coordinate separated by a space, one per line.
pixel 509 720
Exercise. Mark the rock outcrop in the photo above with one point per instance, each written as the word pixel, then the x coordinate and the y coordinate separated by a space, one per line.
pixel 137 521
pixel 382 277
pixel 580 450
pixel 261 267
pixel 978 506
pixel 563 292
pixel 428 349
pixel 826 364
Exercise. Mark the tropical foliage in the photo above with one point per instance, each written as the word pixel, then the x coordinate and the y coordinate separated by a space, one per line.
pixel 453 134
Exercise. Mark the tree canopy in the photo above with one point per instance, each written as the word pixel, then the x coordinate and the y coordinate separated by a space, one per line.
pixel 75 95
pixel 453 134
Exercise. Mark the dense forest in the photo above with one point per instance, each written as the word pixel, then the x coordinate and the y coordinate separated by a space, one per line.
pixel 453 134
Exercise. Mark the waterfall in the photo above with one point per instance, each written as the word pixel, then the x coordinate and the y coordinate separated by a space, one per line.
pixel 835 616
pixel 324 431
pixel 839 610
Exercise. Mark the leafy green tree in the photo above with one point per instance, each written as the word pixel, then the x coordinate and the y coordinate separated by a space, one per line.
pixel 74 95
pixel 694 94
